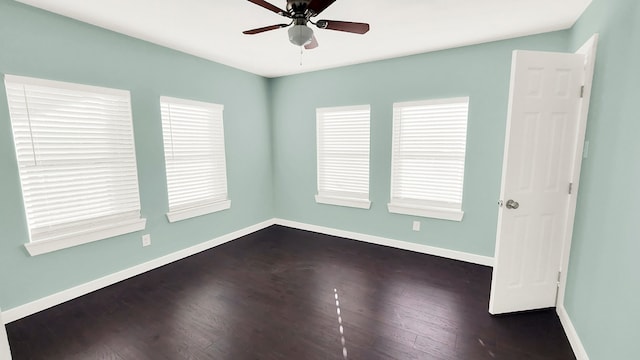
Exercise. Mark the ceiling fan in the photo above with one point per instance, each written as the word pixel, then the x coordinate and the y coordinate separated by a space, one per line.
pixel 300 12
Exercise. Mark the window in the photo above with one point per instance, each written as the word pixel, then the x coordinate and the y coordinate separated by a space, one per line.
pixel 76 158
pixel 343 156
pixel 427 170
pixel 194 157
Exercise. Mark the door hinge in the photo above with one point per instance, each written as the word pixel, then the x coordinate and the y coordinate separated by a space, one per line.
pixel 570 188
pixel 559 273
pixel 582 91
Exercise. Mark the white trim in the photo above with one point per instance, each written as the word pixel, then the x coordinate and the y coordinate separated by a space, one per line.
pixel 183 214
pixel 215 107
pixel 589 49
pixel 349 202
pixel 348 108
pixel 423 249
pixel 572 334
pixel 5 351
pixel 437 213
pixel 46 246
pixel 46 302
pixel 441 101
pixel 66 85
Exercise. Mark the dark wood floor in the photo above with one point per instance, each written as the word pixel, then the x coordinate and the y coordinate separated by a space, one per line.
pixel 272 295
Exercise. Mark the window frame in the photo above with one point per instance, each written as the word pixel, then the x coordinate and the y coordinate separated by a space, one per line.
pixel 340 197
pixel 203 206
pixel 68 234
pixel 417 207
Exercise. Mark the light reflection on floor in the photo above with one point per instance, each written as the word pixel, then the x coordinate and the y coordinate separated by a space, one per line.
pixel 342 340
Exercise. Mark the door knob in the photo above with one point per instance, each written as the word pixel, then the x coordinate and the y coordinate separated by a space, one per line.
pixel 512 204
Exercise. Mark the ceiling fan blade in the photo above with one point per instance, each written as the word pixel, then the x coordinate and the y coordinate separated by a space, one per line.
pixel 268 6
pixel 346 26
pixel 313 44
pixel 263 29
pixel 318 6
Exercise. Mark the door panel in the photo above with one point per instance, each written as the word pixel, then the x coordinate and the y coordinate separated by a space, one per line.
pixel 541 132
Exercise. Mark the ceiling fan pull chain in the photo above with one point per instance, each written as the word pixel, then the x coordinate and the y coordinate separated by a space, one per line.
pixel 301 53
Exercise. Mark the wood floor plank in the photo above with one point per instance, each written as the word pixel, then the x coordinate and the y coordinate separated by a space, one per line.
pixel 289 294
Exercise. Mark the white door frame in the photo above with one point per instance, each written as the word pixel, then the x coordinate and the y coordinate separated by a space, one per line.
pixel 5 353
pixel 589 50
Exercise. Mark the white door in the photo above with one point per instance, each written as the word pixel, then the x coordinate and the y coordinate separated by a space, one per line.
pixel 541 134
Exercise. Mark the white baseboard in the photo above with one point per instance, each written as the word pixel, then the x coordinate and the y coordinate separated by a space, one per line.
pixel 572 334
pixel 46 302
pixel 58 298
pixel 77 291
pixel 424 249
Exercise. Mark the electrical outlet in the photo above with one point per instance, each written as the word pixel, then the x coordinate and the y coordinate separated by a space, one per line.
pixel 146 240
pixel 416 226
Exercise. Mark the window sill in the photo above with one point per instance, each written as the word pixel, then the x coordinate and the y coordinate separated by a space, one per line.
pixel 348 202
pixel 87 236
pixel 189 213
pixel 437 213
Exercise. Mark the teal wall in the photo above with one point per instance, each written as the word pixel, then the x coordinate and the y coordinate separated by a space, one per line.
pixel 603 291
pixel 39 44
pixel 481 72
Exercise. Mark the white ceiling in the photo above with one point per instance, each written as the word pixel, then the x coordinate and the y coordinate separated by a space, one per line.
pixel 212 29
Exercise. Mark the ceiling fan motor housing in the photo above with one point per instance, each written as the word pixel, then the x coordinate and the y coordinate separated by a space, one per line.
pixel 297 6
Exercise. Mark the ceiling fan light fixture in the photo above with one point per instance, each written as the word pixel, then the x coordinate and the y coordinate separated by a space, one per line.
pixel 300 35
pixel 299 13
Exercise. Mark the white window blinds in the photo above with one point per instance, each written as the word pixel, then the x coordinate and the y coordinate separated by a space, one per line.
pixel 343 155
pixel 195 157
pixel 429 142
pixel 76 158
